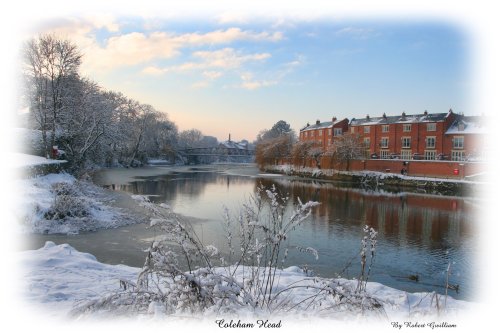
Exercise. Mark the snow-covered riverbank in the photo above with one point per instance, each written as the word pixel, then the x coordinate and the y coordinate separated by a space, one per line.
pixel 59 203
pixel 57 278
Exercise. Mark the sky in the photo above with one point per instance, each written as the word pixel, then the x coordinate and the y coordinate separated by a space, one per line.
pixel 228 72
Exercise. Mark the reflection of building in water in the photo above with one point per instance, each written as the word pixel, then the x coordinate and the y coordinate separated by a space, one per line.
pixel 403 217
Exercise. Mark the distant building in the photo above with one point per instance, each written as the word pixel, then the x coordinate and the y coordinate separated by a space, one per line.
pixel 426 136
pixel 323 133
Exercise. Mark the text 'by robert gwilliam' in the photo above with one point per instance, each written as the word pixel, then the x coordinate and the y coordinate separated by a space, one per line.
pixel 222 323
pixel 416 324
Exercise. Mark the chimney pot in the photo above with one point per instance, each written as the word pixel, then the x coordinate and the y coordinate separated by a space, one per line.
pixel 318 122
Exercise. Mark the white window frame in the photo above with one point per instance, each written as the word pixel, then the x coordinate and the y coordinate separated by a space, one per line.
pixel 458 155
pixel 430 155
pixel 404 140
pixel 433 138
pixel 385 128
pixel 384 142
pixel 431 127
pixel 458 142
pixel 406 127
pixel 406 154
pixel 366 142
pixel 337 131
pixel 366 129
pixel 384 153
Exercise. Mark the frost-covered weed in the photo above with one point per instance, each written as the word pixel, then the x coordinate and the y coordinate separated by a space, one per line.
pixel 247 277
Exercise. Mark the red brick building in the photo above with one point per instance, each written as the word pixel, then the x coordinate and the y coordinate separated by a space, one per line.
pixel 407 137
pixel 322 133
pixel 465 139
pixel 426 136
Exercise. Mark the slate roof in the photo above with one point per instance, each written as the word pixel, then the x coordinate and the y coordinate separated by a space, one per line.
pixel 321 125
pixel 469 125
pixel 401 119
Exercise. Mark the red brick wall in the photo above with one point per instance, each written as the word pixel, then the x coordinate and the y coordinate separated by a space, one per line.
pixel 440 169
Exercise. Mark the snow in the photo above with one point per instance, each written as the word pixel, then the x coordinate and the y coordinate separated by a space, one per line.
pixel 57 278
pixel 18 160
pixel 81 205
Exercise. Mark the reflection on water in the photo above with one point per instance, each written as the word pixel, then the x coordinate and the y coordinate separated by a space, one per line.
pixel 419 235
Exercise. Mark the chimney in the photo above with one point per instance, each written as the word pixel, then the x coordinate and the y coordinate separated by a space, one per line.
pixel 334 119
pixel 384 116
pixel 403 114
pixel 426 113
pixel 318 122
pixel 308 124
pixel 367 117
pixel 229 137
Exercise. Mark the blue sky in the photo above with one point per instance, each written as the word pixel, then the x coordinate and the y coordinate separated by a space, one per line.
pixel 239 75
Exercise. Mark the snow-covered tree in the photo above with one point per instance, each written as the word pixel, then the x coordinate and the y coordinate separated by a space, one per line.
pixel 48 65
pixel 346 148
pixel 190 138
pixel 279 128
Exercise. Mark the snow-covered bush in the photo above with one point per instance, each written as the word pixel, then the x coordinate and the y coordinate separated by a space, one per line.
pixel 68 202
pixel 62 204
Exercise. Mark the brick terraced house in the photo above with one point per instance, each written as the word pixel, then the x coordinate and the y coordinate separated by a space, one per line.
pixel 426 136
pixel 323 133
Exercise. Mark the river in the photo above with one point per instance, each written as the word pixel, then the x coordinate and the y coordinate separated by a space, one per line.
pixel 419 235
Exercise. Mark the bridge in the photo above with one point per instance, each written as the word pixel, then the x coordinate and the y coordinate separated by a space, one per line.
pixel 228 151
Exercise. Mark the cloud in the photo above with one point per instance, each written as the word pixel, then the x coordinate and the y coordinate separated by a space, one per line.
pixel 223 59
pixel 140 47
pixel 357 33
pixel 136 48
pixel 212 75
pixel 250 83
pixel 233 17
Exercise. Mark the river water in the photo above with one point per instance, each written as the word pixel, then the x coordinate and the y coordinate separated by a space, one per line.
pixel 418 234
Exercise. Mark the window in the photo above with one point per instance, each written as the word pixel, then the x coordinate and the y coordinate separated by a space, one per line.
pixel 337 131
pixel 367 129
pixel 457 155
pixel 384 154
pixel 458 142
pixel 431 127
pixel 366 142
pixel 329 131
pixel 406 142
pixel 407 128
pixel 406 154
pixel 384 143
pixel 430 142
pixel 352 130
pixel 430 155
pixel 385 128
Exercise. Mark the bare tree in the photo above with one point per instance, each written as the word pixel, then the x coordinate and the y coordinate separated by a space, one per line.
pixel 190 138
pixel 346 148
pixel 270 150
pixel 49 64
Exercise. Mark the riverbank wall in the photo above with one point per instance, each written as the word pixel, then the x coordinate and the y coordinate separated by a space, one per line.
pixel 386 180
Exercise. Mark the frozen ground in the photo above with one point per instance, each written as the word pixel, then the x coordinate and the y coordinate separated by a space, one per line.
pixel 56 278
